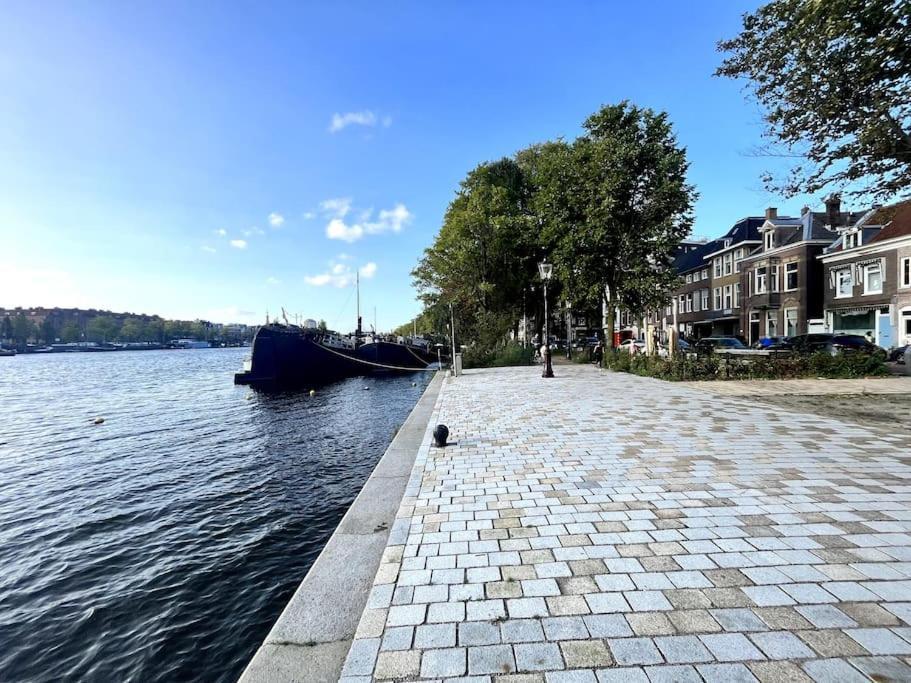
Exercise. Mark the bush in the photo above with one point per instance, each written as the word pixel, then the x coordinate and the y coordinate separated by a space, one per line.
pixel 722 367
pixel 499 357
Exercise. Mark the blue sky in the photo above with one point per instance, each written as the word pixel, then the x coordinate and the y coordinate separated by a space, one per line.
pixel 215 160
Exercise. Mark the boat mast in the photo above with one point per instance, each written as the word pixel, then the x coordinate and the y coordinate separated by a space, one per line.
pixel 357 335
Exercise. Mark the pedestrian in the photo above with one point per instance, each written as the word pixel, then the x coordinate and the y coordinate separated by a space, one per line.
pixel 869 337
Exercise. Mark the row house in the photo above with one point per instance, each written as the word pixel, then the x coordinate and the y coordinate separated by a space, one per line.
pixel 781 279
pixel 866 276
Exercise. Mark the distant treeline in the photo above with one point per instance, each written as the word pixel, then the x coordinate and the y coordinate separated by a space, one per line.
pixel 50 326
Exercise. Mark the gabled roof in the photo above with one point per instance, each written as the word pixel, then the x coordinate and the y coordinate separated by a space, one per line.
pixel 693 259
pixel 897 219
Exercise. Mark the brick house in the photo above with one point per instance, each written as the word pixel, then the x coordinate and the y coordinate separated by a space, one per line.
pixel 782 279
pixel 867 276
pixel 692 299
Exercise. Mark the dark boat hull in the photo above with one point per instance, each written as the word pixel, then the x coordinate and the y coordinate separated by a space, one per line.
pixel 289 357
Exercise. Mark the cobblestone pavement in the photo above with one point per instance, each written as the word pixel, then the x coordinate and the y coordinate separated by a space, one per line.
pixel 606 527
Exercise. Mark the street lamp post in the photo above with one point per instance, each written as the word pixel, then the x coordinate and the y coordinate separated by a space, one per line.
pixel 546 270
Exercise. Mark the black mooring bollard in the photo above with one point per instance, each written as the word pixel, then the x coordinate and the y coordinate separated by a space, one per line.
pixel 440 434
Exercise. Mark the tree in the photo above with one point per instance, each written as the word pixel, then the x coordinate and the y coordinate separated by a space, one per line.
pixel 322 327
pixel 132 330
pixel 48 331
pixel 614 205
pixel 71 332
pixel 23 330
pixel 834 80
pixel 102 329
pixel 6 328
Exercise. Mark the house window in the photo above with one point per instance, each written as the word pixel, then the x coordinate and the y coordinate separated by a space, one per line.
pixel 790 322
pixel 852 239
pixel 873 279
pixel 771 324
pixel 770 239
pixel 761 276
pixel 705 299
pixel 905 270
pixel 681 305
pixel 738 257
pixel 689 278
pixel 728 263
pixel 790 276
pixel 717 298
pixel 689 303
pixel 717 263
pixel 844 283
pixel 773 278
pixel 705 274
pixel 728 296
pixel 736 295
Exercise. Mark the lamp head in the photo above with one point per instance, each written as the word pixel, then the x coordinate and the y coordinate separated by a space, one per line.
pixel 545 269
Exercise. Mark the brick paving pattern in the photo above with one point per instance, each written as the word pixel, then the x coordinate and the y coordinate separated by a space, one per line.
pixel 602 527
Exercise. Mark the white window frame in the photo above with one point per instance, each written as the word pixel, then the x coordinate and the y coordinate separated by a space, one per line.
pixel 844 276
pixel 852 239
pixel 796 273
pixel 762 278
pixel 736 295
pixel 705 273
pixel 728 297
pixel 717 264
pixel 771 316
pixel 689 302
pixel 904 272
pixel 706 295
pixel 866 278
pixel 728 263
pixel 769 239
pixel 738 257
pixel 796 321
pixel 717 298
pixel 773 277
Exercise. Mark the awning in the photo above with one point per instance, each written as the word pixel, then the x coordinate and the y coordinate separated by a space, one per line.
pixel 857 310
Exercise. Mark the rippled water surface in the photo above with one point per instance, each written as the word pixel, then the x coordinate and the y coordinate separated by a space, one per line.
pixel 162 544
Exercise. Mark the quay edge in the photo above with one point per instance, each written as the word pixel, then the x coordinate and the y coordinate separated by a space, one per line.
pixel 311 638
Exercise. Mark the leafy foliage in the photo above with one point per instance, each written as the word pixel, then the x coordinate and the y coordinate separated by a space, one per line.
pixel 507 355
pixel 717 367
pixel 834 78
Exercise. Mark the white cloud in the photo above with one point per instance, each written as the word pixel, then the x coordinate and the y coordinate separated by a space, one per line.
pixel 308 215
pixel 238 244
pixel 340 275
pixel 343 257
pixel 352 118
pixel 337 207
pixel 221 232
pixel 253 231
pixel 206 248
pixel 276 220
pixel 273 281
pixel 388 220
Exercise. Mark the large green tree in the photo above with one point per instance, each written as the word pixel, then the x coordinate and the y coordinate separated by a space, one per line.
pixel 6 328
pixel 102 329
pixel 834 78
pixel 23 330
pixel 615 204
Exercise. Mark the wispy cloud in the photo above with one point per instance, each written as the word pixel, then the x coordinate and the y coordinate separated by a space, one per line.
pixel 387 220
pixel 352 118
pixel 238 244
pixel 276 220
pixel 273 281
pixel 308 215
pixel 206 248
pixel 221 232
pixel 340 275
pixel 337 207
pixel 253 231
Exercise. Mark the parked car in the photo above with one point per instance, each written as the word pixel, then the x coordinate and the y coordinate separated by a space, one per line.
pixel 897 355
pixel 767 342
pixel 629 344
pixel 682 346
pixel 829 343
pixel 711 344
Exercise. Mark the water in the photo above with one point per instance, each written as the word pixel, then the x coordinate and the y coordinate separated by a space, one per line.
pixel 162 544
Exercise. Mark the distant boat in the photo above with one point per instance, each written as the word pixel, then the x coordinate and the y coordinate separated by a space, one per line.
pixel 190 344
pixel 7 352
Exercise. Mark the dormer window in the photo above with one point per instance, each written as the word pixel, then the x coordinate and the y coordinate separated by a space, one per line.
pixel 852 239
pixel 769 239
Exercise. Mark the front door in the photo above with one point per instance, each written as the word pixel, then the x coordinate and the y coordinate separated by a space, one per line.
pixel 884 330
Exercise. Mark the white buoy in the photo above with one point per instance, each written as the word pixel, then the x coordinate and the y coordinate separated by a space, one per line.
pixel 313 392
pixel 366 388
pixel 98 421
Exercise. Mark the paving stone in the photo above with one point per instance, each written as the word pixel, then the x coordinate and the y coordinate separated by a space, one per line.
pixel 443 663
pixel 564 628
pixel 478 633
pixel 866 614
pixel 832 643
pixel 738 619
pixel 778 672
pixel 434 635
pixel 627 651
pixel 651 624
pixel 607 626
pixel 879 641
pixel 693 621
pixel 826 616
pixel 683 649
pixel 398 638
pixel 833 671
pixel 731 647
pixel 397 664
pixel 781 645
pixel 522 608
pixel 521 631
pixel 725 673
pixel 490 659
pixel 627 674
pixel 883 668
pixel 588 654
pixel 676 673
pixel 538 657
pixel 479 610
pixel 576 676
pixel 361 657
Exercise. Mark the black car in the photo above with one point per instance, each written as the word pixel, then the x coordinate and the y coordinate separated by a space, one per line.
pixel 828 343
pixel 711 344
pixel 898 355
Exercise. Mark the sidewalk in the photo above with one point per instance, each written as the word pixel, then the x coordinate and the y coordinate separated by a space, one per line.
pixel 602 526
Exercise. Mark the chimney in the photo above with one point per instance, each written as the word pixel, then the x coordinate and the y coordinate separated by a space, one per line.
pixel 771 213
pixel 833 210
